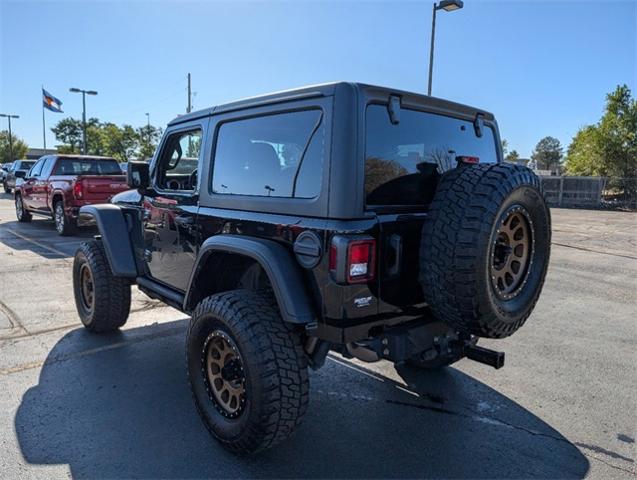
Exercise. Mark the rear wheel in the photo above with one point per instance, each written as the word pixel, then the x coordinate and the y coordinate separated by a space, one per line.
pixel 102 300
pixel 485 248
pixel 247 371
pixel 21 213
pixel 64 224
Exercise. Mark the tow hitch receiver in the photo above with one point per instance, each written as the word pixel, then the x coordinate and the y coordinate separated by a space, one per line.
pixel 484 355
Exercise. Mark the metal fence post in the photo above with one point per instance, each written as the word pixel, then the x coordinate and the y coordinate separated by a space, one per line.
pixel 559 202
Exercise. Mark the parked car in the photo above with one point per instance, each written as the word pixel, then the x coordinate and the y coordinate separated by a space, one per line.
pixel 17 170
pixel 4 169
pixel 374 222
pixel 58 185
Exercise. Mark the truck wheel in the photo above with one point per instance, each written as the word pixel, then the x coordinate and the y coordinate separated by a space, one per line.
pixel 247 371
pixel 102 299
pixel 485 248
pixel 64 224
pixel 21 213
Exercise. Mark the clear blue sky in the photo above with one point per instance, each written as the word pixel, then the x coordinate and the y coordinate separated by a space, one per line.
pixel 542 67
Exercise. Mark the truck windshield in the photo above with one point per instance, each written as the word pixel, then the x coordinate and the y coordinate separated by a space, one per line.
pixel 404 161
pixel 87 166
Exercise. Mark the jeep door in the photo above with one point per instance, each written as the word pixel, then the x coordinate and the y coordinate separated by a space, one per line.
pixel 170 211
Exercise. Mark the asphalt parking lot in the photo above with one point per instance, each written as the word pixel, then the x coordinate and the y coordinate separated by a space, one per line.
pixel 564 406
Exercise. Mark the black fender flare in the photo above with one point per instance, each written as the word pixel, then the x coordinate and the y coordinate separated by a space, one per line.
pixel 277 262
pixel 115 236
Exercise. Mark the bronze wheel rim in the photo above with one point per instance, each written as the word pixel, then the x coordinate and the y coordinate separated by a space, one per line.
pixel 512 253
pixel 88 287
pixel 224 375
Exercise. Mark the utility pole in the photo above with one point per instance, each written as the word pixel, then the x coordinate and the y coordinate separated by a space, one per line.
pixel 189 108
pixel 9 117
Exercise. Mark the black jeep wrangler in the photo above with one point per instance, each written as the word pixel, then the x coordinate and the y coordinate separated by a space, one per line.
pixel 373 222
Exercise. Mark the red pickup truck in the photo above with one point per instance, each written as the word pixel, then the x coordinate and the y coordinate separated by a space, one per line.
pixel 58 185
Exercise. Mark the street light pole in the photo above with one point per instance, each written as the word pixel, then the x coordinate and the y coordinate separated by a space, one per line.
pixel 9 117
pixel 431 48
pixel 84 93
pixel 447 6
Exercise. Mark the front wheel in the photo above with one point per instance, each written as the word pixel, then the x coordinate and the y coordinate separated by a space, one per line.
pixel 102 299
pixel 21 213
pixel 247 371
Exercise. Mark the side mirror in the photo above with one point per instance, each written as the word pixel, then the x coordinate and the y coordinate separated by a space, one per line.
pixel 20 174
pixel 138 175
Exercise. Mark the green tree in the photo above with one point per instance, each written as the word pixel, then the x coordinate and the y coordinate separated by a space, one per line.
pixel 505 147
pixel 68 132
pixel 149 137
pixel 120 143
pixel 608 148
pixel 618 133
pixel 547 154
pixel 109 139
pixel 583 156
pixel 513 156
pixel 18 147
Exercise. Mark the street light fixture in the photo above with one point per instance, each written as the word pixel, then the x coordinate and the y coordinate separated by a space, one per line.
pixel 9 117
pixel 84 94
pixel 447 6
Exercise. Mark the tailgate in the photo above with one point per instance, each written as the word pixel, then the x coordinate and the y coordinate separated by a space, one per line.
pixel 99 188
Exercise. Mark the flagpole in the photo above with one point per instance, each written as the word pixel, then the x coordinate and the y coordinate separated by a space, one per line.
pixel 43 121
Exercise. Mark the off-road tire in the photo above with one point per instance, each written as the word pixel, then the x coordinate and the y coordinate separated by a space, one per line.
pixel 458 238
pixel 274 366
pixel 21 213
pixel 64 224
pixel 111 297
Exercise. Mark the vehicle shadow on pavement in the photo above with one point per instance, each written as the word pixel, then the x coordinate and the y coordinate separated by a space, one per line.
pixel 119 406
pixel 39 236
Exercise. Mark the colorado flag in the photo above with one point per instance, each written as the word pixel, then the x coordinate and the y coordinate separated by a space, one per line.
pixel 50 102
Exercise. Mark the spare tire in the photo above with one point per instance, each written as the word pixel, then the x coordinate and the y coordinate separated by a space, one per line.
pixel 485 248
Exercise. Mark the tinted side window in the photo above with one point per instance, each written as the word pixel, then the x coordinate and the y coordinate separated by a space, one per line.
pixel 179 161
pixel 404 161
pixel 36 169
pixel 279 155
pixel 48 165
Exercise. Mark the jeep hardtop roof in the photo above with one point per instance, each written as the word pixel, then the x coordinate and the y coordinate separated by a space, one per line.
pixel 329 89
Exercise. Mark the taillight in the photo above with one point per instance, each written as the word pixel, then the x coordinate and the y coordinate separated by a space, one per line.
pixel 361 257
pixel 352 259
pixel 77 190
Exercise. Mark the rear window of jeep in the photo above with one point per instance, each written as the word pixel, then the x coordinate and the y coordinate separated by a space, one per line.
pixel 404 161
